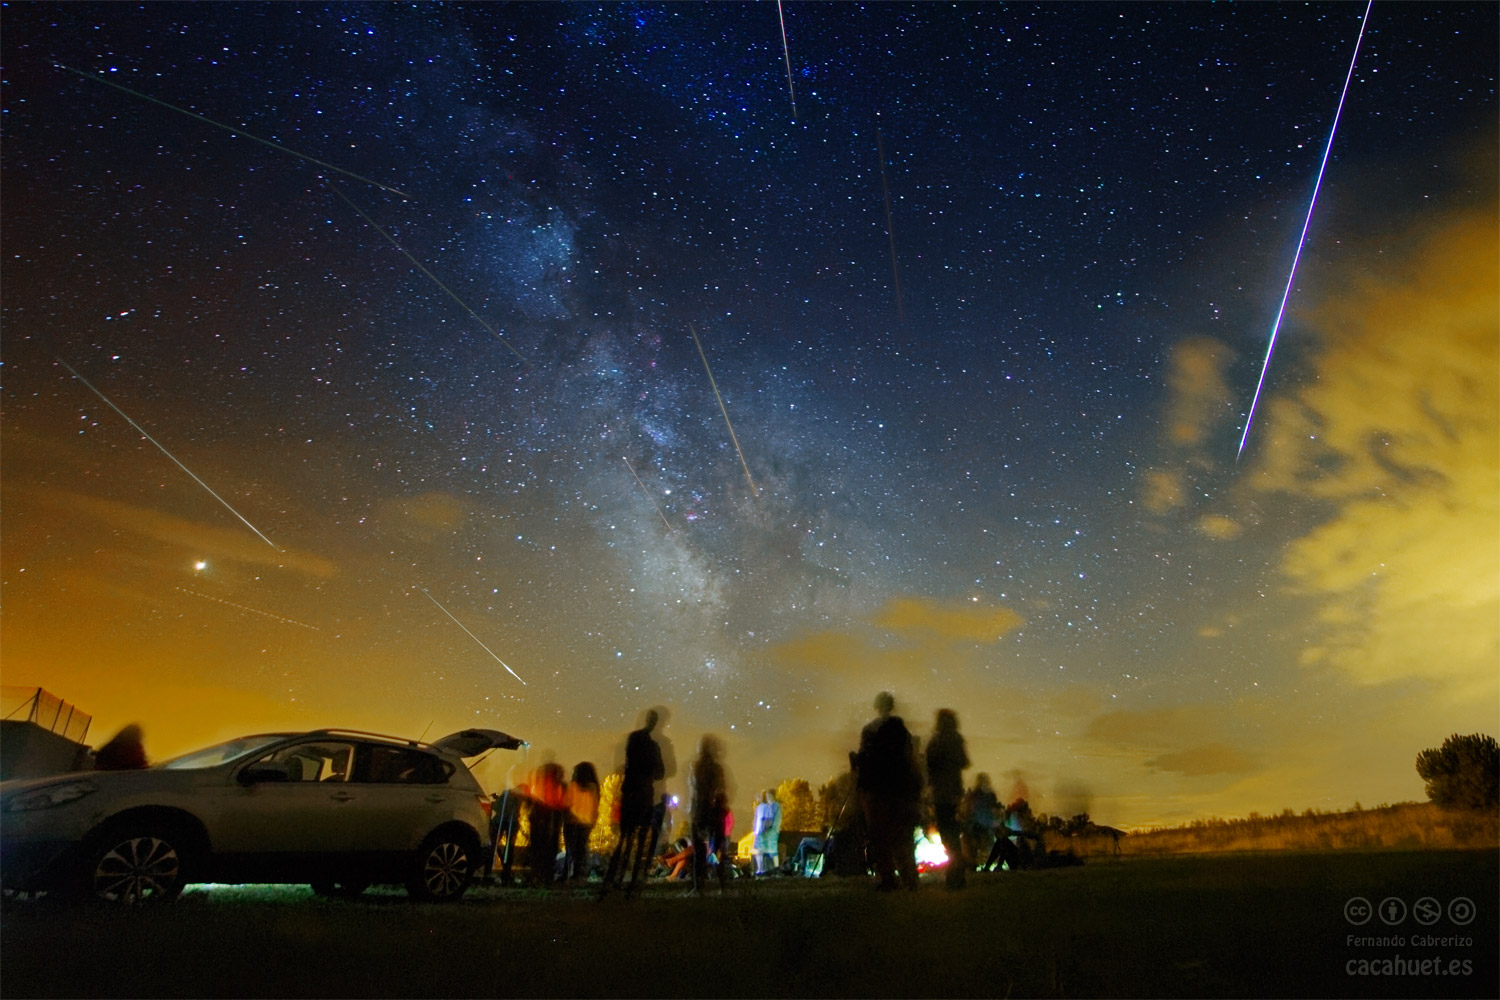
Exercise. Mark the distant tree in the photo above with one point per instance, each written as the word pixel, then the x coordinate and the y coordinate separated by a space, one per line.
pixel 1464 772
pixel 836 804
pixel 799 807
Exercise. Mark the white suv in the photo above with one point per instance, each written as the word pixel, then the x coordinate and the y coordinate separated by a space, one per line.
pixel 339 809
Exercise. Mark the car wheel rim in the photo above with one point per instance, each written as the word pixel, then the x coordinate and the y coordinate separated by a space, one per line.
pixel 446 870
pixel 137 870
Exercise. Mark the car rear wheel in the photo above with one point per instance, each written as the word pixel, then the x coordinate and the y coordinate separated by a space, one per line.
pixel 443 867
pixel 136 866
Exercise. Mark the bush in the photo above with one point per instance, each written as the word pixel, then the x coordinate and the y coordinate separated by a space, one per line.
pixel 1463 773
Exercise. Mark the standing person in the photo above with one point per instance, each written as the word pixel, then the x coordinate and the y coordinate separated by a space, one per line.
pixel 890 790
pixel 767 846
pixel 125 752
pixel 578 823
pixel 946 759
pixel 708 803
pixel 981 809
pixel 638 805
pixel 548 795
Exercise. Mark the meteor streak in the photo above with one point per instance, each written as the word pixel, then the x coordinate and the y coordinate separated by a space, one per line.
pixel 648 493
pixel 233 131
pixel 471 635
pixel 142 431
pixel 253 611
pixel 788 54
pixel 890 232
pixel 418 265
pixel 754 490
pixel 1307 222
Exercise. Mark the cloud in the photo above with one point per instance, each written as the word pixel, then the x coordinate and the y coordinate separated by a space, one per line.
pixel 227 543
pixel 1198 393
pixel 920 617
pixel 1198 401
pixel 1219 527
pixel 1400 429
pixel 1203 760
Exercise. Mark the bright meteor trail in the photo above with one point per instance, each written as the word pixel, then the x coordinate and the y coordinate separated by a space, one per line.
pixel 754 490
pixel 142 431
pixel 471 635
pixel 1307 222
pixel 234 131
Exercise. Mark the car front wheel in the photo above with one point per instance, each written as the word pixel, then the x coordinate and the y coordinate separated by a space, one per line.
pixel 443 867
pixel 135 867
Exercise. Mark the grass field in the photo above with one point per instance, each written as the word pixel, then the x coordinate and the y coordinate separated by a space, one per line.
pixel 1219 925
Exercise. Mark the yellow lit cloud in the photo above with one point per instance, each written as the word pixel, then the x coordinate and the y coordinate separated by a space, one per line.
pixel 1198 393
pixel 1400 429
pixel 954 622
pixel 1203 760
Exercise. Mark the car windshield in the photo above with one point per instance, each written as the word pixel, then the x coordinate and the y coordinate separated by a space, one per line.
pixel 220 753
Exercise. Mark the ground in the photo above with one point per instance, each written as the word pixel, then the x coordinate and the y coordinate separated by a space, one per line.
pixel 1224 925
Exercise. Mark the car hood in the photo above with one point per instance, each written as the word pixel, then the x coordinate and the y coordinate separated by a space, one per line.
pixel 473 742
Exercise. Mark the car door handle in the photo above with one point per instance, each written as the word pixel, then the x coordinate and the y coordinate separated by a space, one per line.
pixel 341 796
pixel 437 798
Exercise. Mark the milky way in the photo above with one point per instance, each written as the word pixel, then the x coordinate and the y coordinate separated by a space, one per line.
pixel 1007 487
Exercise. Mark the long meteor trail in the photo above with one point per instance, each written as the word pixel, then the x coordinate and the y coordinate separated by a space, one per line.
pixel 754 490
pixel 471 635
pixel 233 131
pixel 787 53
pixel 418 265
pixel 162 448
pixel 648 493
pixel 1306 223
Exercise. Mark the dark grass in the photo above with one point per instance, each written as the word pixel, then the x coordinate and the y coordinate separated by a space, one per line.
pixel 1231 926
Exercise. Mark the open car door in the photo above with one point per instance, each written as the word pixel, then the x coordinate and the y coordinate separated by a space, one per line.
pixel 473 742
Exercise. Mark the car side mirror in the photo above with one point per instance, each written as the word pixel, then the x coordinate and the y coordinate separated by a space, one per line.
pixel 257 773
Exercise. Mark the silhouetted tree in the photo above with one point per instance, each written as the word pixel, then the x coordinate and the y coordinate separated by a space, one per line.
pixel 835 800
pixel 1463 772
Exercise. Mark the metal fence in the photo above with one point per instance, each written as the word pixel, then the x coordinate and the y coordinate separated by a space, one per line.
pixel 47 710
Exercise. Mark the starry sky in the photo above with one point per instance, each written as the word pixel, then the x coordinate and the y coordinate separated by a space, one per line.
pixel 984 290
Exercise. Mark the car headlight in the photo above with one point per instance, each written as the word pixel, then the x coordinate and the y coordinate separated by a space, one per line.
pixel 50 796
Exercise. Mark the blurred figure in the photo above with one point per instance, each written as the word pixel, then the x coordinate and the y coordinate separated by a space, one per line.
pixel 678 858
pixel 640 811
pixel 890 790
pixel 946 759
pixel 548 806
pixel 708 805
pixel 981 814
pixel 505 822
pixel 578 823
pixel 125 752
pixel 1013 843
pixel 767 845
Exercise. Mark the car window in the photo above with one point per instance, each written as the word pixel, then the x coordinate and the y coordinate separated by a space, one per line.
pixel 398 765
pixel 315 760
pixel 220 753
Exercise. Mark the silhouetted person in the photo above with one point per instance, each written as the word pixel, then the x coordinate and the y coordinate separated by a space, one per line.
pixel 946 759
pixel 640 810
pixel 505 822
pixel 578 823
pixel 981 814
pixel 890 790
pixel 548 806
pixel 708 806
pixel 125 752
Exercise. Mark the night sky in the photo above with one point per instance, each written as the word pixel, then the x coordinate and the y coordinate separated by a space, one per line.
pixel 986 439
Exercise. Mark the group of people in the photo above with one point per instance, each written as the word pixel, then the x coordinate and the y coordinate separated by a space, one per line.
pixel 890 775
pixel 560 813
